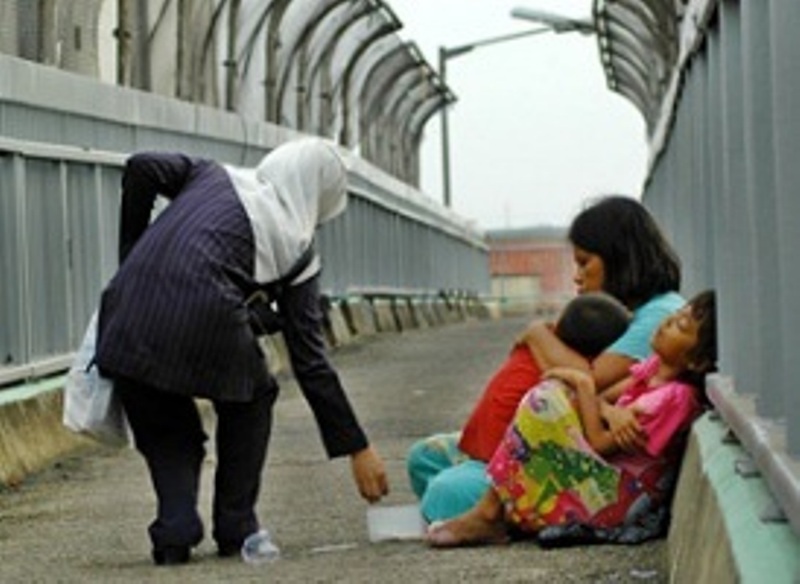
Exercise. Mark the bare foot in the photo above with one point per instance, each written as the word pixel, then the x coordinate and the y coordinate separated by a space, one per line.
pixel 469 529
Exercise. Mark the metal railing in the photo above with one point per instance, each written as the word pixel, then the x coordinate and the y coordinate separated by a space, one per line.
pixel 63 141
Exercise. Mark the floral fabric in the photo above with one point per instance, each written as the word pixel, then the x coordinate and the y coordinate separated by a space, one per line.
pixel 548 476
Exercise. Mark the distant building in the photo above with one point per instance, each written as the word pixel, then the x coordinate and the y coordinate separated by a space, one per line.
pixel 531 268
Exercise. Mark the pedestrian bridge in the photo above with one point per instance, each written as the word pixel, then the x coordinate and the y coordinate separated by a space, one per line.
pixel 714 80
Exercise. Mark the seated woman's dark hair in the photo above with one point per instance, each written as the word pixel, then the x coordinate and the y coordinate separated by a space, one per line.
pixel 638 261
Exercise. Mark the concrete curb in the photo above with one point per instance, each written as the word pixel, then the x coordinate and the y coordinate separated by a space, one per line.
pixel 422 313
pixel 359 314
pixel 337 329
pixel 31 432
pixel 403 314
pixel 384 315
pixel 717 533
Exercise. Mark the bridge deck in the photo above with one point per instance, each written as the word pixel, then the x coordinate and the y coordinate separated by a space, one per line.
pixel 86 519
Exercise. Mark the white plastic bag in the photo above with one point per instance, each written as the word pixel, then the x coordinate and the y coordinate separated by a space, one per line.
pixel 90 405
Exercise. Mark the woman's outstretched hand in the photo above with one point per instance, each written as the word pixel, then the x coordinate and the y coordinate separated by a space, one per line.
pixel 369 474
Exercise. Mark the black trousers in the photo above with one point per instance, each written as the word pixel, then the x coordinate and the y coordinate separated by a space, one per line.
pixel 168 432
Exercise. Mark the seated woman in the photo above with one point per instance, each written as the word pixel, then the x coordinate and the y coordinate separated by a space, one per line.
pixel 619 250
pixel 559 468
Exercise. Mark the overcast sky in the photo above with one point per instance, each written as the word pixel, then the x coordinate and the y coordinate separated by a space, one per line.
pixel 535 130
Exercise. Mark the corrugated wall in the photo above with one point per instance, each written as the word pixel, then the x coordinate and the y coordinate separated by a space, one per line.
pixel 724 184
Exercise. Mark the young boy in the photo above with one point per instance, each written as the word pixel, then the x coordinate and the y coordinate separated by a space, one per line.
pixel 447 471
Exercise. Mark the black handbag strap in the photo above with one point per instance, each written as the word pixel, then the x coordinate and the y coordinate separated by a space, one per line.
pixel 275 288
pixel 272 290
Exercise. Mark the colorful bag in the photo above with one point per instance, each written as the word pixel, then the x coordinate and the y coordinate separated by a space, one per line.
pixel 90 405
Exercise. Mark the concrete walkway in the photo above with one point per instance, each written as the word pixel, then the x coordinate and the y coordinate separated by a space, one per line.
pixel 85 519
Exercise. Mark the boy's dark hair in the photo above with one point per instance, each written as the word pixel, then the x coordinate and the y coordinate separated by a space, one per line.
pixel 638 261
pixel 591 322
pixel 703 357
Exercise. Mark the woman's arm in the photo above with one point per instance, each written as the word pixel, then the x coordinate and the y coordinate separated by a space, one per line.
pixel 147 175
pixel 339 427
pixel 609 368
pixel 549 351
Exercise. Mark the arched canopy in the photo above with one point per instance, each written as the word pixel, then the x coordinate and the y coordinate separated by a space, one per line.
pixel 639 44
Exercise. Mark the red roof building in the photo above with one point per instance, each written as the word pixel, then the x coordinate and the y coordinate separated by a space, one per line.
pixel 531 268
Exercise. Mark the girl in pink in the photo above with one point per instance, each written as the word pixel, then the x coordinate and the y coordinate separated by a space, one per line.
pixel 568 474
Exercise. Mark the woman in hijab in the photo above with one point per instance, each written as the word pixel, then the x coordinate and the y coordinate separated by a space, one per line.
pixel 175 325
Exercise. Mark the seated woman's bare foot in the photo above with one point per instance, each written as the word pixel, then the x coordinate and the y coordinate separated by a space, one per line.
pixel 472 528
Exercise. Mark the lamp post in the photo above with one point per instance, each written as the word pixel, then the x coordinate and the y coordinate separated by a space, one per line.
pixel 551 22
pixel 556 22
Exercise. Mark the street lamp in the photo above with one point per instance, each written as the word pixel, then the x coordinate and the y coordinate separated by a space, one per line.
pixel 555 21
pixel 552 23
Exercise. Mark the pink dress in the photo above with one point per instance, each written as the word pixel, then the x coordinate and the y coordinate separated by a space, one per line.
pixel 547 475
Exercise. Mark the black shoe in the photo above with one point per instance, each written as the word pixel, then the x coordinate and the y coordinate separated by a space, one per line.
pixel 171 555
pixel 228 550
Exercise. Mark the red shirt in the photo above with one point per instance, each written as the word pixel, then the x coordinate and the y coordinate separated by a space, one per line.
pixel 495 410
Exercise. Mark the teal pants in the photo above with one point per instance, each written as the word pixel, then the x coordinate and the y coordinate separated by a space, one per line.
pixel 446 481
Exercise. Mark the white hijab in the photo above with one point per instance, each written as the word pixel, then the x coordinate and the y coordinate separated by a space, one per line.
pixel 294 188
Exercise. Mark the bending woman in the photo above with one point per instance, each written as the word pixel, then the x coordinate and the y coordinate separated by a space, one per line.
pixel 175 325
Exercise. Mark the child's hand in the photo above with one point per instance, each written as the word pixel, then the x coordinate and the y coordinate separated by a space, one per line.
pixel 625 428
pixel 369 474
pixel 575 378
